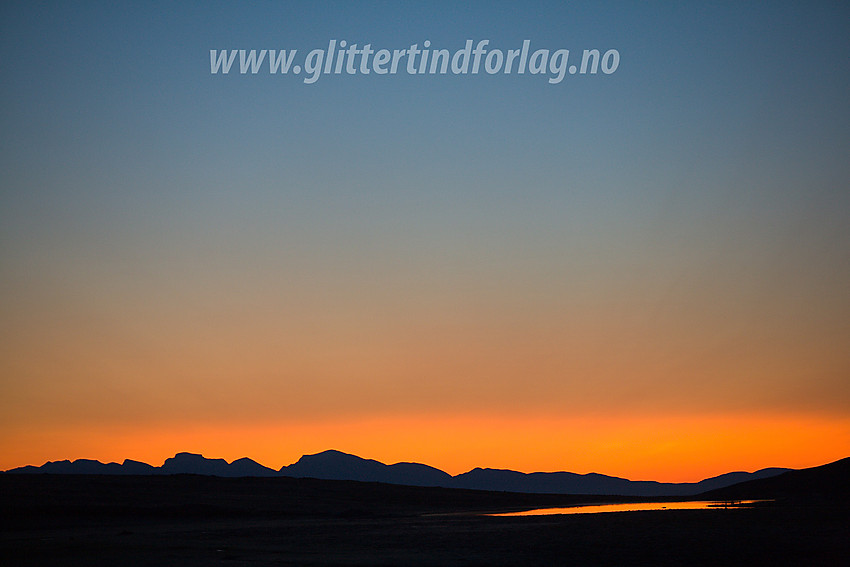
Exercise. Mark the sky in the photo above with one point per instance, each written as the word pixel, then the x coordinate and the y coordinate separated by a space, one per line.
pixel 642 272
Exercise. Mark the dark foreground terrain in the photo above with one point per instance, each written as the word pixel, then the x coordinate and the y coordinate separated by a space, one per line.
pixel 195 520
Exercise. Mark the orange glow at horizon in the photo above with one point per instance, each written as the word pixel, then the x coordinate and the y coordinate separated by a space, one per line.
pixel 667 449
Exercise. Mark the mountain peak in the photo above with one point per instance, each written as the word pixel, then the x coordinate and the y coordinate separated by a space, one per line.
pixel 333 464
pixel 194 463
pixel 331 454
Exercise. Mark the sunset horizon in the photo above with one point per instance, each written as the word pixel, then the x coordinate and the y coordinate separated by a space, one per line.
pixel 695 449
pixel 587 236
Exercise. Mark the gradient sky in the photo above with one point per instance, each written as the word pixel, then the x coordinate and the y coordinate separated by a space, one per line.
pixel 645 273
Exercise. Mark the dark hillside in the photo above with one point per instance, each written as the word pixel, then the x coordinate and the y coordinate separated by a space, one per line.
pixel 827 483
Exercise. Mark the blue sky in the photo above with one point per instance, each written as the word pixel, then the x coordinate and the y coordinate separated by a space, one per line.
pixel 674 232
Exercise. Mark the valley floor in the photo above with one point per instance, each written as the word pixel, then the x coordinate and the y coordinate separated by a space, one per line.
pixel 141 521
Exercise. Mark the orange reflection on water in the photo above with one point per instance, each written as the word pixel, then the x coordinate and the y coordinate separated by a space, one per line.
pixel 633 507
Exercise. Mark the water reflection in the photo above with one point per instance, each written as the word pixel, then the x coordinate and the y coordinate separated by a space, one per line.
pixel 635 507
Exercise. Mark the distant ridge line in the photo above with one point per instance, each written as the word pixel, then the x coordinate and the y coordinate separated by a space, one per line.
pixel 336 465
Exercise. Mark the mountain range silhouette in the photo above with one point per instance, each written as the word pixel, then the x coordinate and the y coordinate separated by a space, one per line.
pixel 336 465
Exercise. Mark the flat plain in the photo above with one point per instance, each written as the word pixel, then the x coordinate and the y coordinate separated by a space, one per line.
pixel 197 520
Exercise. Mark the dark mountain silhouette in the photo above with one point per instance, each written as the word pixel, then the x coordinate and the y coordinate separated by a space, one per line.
pixel 336 465
pixel 181 463
pixel 828 483
pixel 560 483
pixel 136 467
pixel 593 483
pixel 191 463
pixel 731 478
pixel 88 466
pixel 249 467
pixel 80 466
